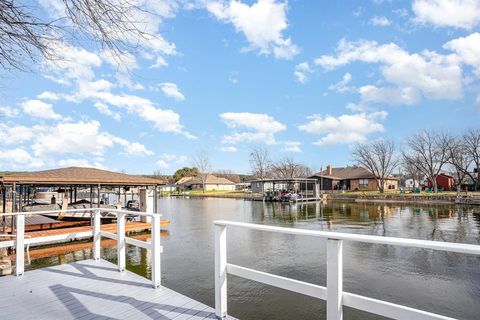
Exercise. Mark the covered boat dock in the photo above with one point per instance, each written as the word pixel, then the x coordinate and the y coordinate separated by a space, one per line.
pixel 17 189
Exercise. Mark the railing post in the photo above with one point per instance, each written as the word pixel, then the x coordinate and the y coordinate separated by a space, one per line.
pixel 96 234
pixel 334 279
pixel 121 243
pixel 20 245
pixel 220 271
pixel 156 252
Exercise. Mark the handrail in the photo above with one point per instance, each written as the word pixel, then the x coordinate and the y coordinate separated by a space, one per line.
pixel 333 293
pixel 122 240
pixel 138 213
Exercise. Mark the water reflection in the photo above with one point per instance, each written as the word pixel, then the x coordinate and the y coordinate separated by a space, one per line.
pixel 436 281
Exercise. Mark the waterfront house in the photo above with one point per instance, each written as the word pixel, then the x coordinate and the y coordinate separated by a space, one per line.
pixel 212 183
pixel 351 178
pixel 445 181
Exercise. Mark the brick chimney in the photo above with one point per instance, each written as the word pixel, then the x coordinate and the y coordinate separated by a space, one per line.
pixel 329 170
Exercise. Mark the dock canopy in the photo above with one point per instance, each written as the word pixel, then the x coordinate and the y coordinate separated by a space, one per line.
pixel 77 176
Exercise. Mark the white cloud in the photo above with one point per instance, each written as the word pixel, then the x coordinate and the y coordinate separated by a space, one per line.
pixel 72 63
pixel 302 70
pixel 171 90
pixel 229 149
pixel 47 95
pixel 262 23
pixel 434 75
pixel 478 100
pixel 8 112
pixel 346 128
pixel 105 110
pixel 81 138
pixel 389 95
pixel 80 163
pixel 159 63
pixel 40 109
pixel 292 146
pixel 342 85
pixel 447 13
pixel 380 21
pixel 468 50
pixel 18 158
pixel 170 160
pixel 260 127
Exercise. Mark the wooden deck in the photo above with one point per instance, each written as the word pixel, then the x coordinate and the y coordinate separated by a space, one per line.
pixel 93 290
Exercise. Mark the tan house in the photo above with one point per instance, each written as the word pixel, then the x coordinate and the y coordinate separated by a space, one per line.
pixel 351 178
pixel 212 183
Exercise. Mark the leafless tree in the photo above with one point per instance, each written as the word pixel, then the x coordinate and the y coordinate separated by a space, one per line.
pixel 379 158
pixel 471 142
pixel 260 162
pixel 201 161
pixel 228 174
pixel 411 171
pixel 428 152
pixel 287 168
pixel 459 159
pixel 27 36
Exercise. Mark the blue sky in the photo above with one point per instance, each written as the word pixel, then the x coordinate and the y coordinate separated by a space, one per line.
pixel 305 79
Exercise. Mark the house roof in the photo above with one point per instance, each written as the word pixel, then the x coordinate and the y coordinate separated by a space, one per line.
pixel 347 173
pixel 211 179
pixel 77 176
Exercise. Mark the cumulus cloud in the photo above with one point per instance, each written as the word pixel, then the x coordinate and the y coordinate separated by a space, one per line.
pixel 380 21
pixel 8 112
pixel 342 85
pixel 168 160
pixel 47 95
pixel 259 127
pixel 18 158
pixel 302 70
pixel 171 90
pixel 463 14
pixel 292 146
pixel 74 162
pixel 389 95
pixel 346 128
pixel 40 109
pixel 433 75
pixel 263 24
pixel 467 49
pixel 46 142
pixel 105 110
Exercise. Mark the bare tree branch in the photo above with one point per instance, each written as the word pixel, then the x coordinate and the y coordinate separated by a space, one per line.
pixel 378 157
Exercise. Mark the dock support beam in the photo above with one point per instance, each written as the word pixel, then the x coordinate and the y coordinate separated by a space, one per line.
pixel 121 243
pixel 221 271
pixel 96 234
pixel 334 279
pixel 20 245
pixel 156 252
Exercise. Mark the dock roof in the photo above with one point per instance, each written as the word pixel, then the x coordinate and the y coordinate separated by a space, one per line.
pixel 77 176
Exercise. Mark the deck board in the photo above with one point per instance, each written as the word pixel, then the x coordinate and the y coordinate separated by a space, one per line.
pixel 89 289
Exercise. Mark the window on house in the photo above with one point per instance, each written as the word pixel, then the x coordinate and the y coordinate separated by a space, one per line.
pixel 363 183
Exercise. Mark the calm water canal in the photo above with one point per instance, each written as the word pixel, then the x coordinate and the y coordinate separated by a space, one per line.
pixel 444 283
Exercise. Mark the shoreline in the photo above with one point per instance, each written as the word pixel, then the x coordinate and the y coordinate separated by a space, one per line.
pixel 360 198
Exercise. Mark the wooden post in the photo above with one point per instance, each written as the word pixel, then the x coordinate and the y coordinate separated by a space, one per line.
pixel 121 244
pixel 156 252
pixel 20 245
pixel 334 279
pixel 221 271
pixel 96 234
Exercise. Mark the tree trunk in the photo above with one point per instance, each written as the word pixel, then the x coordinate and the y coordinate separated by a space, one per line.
pixel 434 184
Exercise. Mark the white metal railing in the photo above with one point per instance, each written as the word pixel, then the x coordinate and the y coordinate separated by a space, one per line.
pixel 333 293
pixel 155 247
